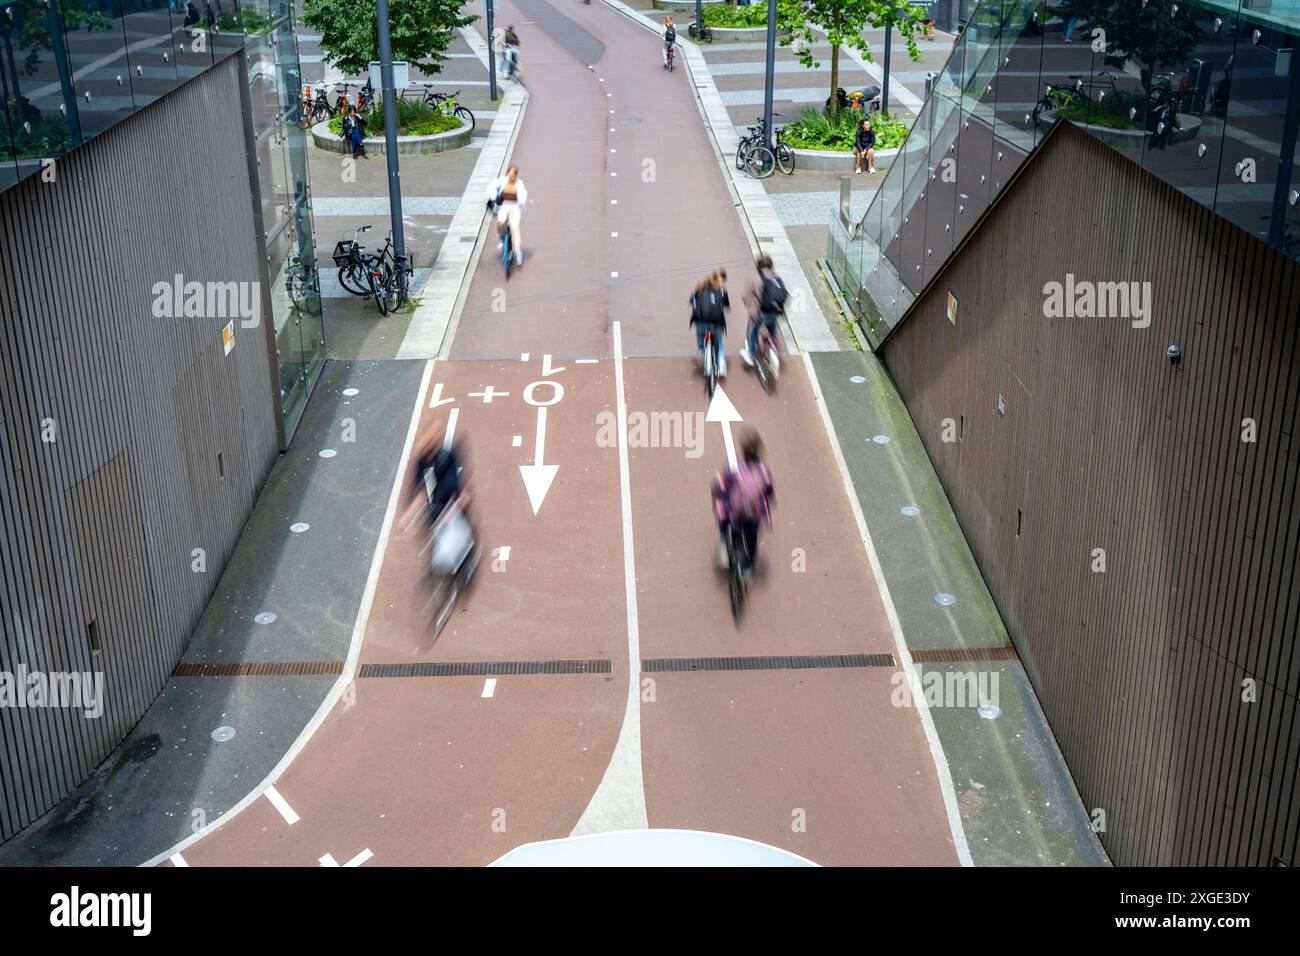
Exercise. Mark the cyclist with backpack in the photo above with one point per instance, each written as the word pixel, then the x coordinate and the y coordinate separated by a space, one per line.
pixel 709 304
pixel 742 498
pixel 770 295
pixel 670 37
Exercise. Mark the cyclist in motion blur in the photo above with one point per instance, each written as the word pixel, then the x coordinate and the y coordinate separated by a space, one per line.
pixel 742 499
pixel 709 304
pixel 766 298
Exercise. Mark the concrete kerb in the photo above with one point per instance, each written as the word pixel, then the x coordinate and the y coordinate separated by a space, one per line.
pixel 442 298
pixel 807 326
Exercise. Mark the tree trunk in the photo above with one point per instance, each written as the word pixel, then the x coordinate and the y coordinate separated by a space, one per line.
pixel 835 83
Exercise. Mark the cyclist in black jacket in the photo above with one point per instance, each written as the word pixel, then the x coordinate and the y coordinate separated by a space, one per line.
pixel 709 304
pixel 670 37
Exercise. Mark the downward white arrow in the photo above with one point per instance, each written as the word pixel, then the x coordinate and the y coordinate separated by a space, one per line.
pixel 724 413
pixel 328 859
pixel 538 476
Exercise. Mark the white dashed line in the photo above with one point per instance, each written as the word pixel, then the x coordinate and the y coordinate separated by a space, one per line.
pixel 489 687
pixel 177 860
pixel 282 805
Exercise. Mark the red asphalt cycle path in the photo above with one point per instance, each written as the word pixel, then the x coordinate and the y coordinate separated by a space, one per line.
pixel 429 771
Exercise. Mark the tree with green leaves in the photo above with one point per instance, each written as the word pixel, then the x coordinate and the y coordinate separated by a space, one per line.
pixel 421 31
pixel 843 22
pixel 1148 33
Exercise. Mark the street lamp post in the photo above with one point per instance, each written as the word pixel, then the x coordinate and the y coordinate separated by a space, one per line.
pixel 390 127
pixel 884 83
pixel 771 70
pixel 492 60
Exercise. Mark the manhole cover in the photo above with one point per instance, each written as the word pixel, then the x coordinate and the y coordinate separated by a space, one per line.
pixel 910 510
pixel 222 734
pixel 945 599
pixel 351 391
pixel 630 122
pixel 266 617
pixel 298 527
pixel 328 453
pixel 881 439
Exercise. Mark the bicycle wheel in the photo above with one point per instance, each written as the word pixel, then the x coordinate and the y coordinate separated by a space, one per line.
pixel 759 162
pixel 741 149
pixel 381 276
pixel 354 280
pixel 465 116
pixel 785 158
pixel 710 367
pixel 507 254
pixel 735 573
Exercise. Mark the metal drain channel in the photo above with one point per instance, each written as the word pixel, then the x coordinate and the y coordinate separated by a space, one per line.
pixel 952 655
pixel 485 668
pixel 261 669
pixel 817 662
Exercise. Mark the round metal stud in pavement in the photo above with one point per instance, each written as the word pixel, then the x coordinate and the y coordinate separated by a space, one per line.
pixel 266 617
pixel 989 711
pixel 351 391
pixel 222 734
pixel 857 379
pixel 298 527
pixel 881 439
pixel 945 599
pixel 910 510
pixel 328 453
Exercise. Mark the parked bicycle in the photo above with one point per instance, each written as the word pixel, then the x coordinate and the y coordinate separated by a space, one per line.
pixel 362 273
pixel 705 33
pixel 759 156
pixel 302 282
pixel 445 103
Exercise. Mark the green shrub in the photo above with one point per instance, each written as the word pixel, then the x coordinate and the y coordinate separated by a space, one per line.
pixel 725 15
pixel 1111 112
pixel 414 118
pixel 814 130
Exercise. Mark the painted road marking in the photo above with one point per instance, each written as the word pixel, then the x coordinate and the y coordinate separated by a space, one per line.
pixel 452 417
pixel 487 395
pixel 539 475
pixel 177 860
pixel 613 275
pixel 613 235
pixel 328 859
pixel 489 687
pixel 436 398
pixel 723 412
pixel 523 356
pixel 282 805
pixel 619 800
pixel 548 369
pixel 517 441
pixel 588 361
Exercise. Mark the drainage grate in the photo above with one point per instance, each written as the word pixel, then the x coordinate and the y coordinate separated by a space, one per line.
pixel 817 662
pixel 260 669
pixel 957 654
pixel 484 668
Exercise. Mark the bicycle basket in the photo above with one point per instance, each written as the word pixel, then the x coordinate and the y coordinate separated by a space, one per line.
pixel 343 252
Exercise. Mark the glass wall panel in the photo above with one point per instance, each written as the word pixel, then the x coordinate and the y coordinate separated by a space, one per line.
pixel 149 49
pixel 40 100
pixel 8 165
pixel 193 22
pixel 96 41
pixel 228 34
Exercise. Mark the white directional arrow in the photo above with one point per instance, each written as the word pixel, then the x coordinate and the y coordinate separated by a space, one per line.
pixel 328 859
pixel 724 413
pixel 538 476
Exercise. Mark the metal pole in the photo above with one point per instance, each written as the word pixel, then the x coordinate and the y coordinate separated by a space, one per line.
pixel 390 127
pixel 492 56
pixel 771 71
pixel 884 83
pixel 699 21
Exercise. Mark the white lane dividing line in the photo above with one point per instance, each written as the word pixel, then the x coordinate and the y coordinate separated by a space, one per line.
pixel 489 688
pixel 328 859
pixel 452 417
pixel 588 361
pixel 282 805
pixel 177 860
pixel 619 801
pixel 517 441
pixel 958 830
pixel 354 649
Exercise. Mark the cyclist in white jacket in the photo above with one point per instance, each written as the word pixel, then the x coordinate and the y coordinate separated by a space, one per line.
pixel 509 195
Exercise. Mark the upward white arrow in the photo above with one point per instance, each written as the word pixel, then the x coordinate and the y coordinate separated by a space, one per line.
pixel 538 476
pixel 724 413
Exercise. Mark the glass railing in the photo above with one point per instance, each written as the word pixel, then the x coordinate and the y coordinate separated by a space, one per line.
pixel 1204 94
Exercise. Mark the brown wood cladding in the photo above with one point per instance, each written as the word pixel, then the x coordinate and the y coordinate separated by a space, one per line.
pixel 1103 444
pixel 99 525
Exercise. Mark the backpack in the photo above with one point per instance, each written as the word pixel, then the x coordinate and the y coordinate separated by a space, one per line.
pixel 774 295
pixel 747 494
pixel 670 35
pixel 708 307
